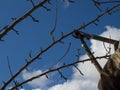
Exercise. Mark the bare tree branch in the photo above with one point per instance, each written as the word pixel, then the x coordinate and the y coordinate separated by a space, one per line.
pixel 68 49
pixel 62 76
pixel 78 69
pixel 33 18
pixel 11 73
pixel 10 27
pixel 93 60
pixel 31 2
pixel 51 45
pixel 110 1
pixel 55 69
pixel 17 32
pixel 55 24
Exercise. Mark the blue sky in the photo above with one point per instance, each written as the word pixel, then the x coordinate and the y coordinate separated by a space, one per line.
pixel 34 36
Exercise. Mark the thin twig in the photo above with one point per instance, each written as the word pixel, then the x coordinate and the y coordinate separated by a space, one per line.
pixel 96 3
pixel 11 73
pixel 68 49
pixel 34 19
pixel 78 69
pixel 56 69
pixel 62 76
pixel 32 2
pixel 78 53
pixel 112 1
pixel 17 32
pixel 46 8
pixel 71 1
pixel 52 44
pixel 107 50
pixel 55 24
pixel 12 25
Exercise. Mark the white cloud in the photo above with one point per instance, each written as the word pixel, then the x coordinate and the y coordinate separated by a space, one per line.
pixel 75 85
pixel 37 83
pixel 37 89
pixel 90 79
pixel 66 3
pixel 11 87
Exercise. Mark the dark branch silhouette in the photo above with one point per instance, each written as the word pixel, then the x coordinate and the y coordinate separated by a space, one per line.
pixel 18 20
pixel 108 81
pixel 56 69
pixel 53 43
